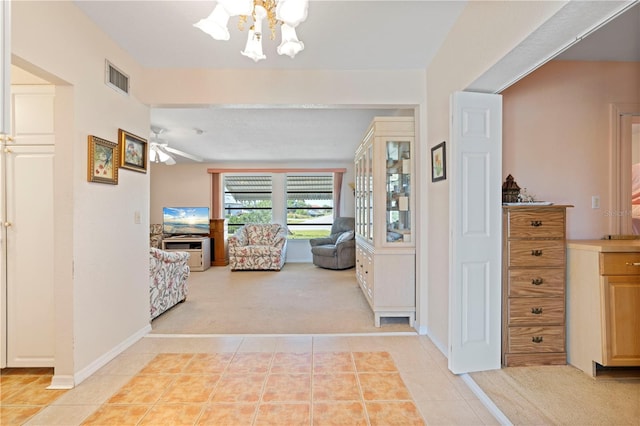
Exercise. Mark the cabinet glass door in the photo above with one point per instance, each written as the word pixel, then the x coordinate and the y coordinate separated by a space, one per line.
pixel 398 189
pixel 356 194
pixel 369 185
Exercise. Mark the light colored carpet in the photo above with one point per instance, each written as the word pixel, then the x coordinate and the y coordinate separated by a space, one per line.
pixel 561 395
pixel 299 299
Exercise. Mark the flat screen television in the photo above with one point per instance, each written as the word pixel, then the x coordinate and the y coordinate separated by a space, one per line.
pixel 185 220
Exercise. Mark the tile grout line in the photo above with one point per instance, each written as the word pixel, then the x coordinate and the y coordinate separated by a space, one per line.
pixel 360 391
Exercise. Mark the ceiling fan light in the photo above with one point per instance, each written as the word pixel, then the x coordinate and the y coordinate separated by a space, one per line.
pixel 216 24
pixel 290 44
pixel 292 12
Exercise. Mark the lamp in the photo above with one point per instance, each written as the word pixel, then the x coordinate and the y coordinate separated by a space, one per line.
pixel 286 13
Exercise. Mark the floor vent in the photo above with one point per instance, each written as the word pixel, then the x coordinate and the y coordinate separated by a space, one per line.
pixel 116 79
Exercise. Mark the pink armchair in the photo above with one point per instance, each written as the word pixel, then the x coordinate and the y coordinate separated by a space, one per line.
pixel 258 246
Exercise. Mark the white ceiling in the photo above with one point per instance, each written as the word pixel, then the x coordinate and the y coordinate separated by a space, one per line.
pixel 338 35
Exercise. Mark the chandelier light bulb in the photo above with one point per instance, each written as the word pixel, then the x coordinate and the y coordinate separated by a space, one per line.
pixel 253 48
pixel 215 24
pixel 290 44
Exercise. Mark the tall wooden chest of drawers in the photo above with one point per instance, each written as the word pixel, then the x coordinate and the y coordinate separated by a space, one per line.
pixel 533 285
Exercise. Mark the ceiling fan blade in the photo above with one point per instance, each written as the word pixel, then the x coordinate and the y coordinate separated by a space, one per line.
pixel 183 154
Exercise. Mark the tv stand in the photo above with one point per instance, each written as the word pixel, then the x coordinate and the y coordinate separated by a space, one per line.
pixel 199 249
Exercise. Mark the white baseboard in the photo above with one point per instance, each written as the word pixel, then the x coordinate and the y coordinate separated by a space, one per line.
pixel 83 374
pixel 422 330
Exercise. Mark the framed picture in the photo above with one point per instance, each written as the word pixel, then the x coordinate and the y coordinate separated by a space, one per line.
pixel 133 151
pixel 438 162
pixel 103 161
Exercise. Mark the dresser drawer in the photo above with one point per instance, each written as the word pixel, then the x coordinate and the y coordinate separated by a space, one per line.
pixel 536 224
pixel 536 339
pixel 535 311
pixel 536 282
pixel 619 263
pixel 537 253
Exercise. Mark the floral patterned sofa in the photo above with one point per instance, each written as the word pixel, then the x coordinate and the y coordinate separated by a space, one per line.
pixel 258 246
pixel 168 273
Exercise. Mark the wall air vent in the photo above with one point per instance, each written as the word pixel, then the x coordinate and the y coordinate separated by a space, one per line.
pixel 116 79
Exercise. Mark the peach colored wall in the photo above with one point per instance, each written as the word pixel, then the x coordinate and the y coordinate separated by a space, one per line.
pixel 557 138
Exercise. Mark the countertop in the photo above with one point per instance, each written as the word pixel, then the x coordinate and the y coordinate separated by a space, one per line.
pixel 605 246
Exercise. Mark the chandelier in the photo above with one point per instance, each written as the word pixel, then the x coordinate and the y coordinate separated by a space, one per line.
pixel 285 13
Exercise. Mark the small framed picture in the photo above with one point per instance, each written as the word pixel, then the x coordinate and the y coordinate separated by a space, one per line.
pixel 438 162
pixel 133 151
pixel 103 161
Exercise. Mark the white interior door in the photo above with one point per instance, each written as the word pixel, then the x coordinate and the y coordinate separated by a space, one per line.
pixel 476 229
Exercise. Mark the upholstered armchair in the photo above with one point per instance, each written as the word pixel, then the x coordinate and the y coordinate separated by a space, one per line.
pixel 168 273
pixel 338 250
pixel 258 246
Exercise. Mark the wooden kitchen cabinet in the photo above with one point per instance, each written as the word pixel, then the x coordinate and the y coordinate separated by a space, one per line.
pixel 604 305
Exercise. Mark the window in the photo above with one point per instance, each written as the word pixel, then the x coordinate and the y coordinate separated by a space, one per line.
pixel 309 205
pixel 247 199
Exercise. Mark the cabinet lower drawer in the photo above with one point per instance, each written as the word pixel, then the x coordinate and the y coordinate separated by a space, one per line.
pixel 537 253
pixel 536 339
pixel 536 282
pixel 535 311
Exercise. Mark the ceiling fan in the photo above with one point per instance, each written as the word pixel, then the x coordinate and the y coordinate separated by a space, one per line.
pixel 161 152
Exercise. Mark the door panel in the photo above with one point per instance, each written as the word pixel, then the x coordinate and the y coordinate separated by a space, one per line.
pixel 476 230
pixel 30 315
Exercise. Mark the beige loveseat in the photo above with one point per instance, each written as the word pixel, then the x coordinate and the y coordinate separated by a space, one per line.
pixel 168 273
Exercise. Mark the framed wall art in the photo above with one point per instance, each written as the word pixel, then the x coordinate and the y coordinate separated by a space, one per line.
pixel 103 161
pixel 438 162
pixel 133 151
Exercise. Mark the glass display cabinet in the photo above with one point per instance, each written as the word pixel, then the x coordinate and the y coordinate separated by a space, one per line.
pixel 384 211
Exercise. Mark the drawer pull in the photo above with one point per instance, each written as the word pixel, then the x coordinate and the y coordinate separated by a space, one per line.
pixel 536 252
pixel 536 311
pixel 537 339
pixel 536 223
pixel 537 281
pixel 633 263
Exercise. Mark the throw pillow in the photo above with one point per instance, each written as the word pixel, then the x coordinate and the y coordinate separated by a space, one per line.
pixel 345 236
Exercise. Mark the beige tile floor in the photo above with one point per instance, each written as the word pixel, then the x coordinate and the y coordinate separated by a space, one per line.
pixel 236 380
